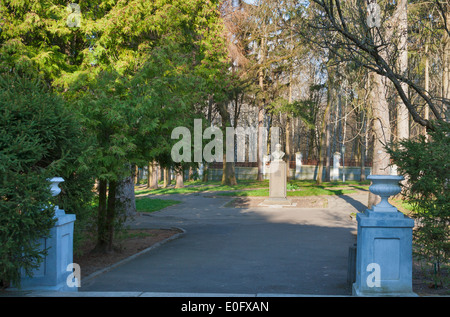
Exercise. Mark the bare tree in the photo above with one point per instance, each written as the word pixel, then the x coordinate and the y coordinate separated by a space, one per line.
pixel 342 28
pixel 358 32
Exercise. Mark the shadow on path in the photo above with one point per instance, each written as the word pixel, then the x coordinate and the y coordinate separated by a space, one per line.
pixel 230 250
pixel 355 203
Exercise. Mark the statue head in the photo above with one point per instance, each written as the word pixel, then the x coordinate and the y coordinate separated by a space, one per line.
pixel 277 154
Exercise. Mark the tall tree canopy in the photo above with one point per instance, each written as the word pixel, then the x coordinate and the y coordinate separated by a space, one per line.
pixel 131 71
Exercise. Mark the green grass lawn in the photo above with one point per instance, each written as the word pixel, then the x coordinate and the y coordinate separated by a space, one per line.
pixel 261 188
pixel 146 204
pixel 311 191
pixel 402 205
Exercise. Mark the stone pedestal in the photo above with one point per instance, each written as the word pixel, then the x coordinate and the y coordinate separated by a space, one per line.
pixel 53 272
pixel 384 245
pixel 277 181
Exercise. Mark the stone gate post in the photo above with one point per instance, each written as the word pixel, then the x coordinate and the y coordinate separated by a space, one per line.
pixel 384 245
pixel 53 271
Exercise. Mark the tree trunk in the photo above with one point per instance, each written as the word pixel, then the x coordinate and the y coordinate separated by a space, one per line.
pixel 179 179
pixel 228 174
pixel 288 146
pixel 126 203
pixel 289 122
pixel 328 152
pixel 328 139
pixel 362 148
pixel 228 171
pixel 101 216
pixel 136 174
pixel 205 172
pixel 402 111
pixel 152 180
pixel 166 177
pixel 110 215
pixel 344 136
pixel 380 129
pixel 106 216
pixel 149 174
pixel 322 139
pixel 206 164
pixel 446 70
pixel 427 89
pixel 261 146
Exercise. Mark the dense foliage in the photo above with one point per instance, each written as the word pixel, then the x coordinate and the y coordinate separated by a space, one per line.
pixel 426 166
pixel 129 70
pixel 38 140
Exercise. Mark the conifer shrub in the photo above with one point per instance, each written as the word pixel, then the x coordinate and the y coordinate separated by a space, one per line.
pixel 38 136
pixel 426 167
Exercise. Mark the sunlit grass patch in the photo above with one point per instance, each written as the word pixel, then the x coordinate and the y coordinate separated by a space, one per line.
pixel 311 191
pixel 146 204
pixel 261 188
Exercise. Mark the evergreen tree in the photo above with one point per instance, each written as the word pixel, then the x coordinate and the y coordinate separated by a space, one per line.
pixel 38 137
pixel 426 165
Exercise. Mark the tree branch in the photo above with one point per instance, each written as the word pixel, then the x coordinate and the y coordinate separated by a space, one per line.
pixel 372 59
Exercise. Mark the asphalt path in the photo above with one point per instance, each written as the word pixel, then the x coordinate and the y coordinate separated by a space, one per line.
pixel 224 250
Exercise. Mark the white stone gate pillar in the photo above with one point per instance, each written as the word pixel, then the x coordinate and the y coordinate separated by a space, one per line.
pixel 384 245
pixel 56 267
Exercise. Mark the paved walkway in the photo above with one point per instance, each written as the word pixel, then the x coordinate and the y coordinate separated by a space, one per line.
pixel 251 251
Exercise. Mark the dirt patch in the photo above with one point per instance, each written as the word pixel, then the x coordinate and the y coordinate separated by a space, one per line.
pixel 423 283
pixel 297 202
pixel 132 242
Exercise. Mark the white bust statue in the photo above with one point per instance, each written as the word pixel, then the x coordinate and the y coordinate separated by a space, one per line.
pixel 277 154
